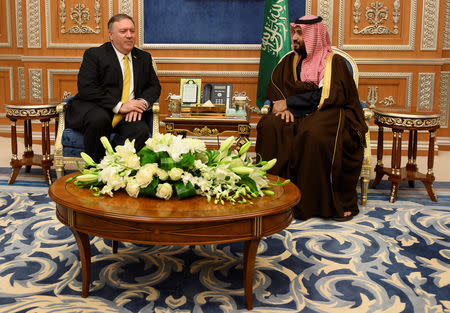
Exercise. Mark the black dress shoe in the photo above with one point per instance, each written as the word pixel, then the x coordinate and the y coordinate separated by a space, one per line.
pixel 342 219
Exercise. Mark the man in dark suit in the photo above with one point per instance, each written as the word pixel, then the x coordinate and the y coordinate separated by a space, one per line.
pixel 103 92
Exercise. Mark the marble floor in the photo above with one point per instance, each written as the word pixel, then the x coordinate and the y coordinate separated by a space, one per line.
pixel 441 161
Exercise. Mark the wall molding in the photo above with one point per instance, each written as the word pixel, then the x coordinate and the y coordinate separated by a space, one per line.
pixel 446 40
pixel 35 83
pixel 325 10
pixel 193 60
pixel 21 82
pixel 126 6
pixel 425 92
pixel 407 76
pixel 430 24
pixel 210 73
pixel 10 71
pixel 33 24
pixel 19 24
pixel 411 38
pixel 444 98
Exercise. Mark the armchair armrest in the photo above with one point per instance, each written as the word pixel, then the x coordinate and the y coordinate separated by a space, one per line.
pixel 61 109
pixel 155 126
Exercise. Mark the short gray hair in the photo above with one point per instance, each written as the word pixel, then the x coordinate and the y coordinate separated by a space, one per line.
pixel 117 18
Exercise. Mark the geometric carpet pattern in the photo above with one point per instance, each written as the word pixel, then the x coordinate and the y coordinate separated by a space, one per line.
pixel 389 258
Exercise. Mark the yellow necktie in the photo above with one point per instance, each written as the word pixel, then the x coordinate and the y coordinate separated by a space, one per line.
pixel 125 91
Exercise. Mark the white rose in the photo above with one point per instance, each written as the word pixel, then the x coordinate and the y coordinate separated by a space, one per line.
pixel 164 191
pixel 175 173
pixel 162 174
pixel 145 174
pixel 132 188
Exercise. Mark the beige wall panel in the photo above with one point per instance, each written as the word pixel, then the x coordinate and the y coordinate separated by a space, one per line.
pixel 384 92
pixel 377 25
pixel 7 84
pixel 75 24
pixel 61 81
pixel 5 24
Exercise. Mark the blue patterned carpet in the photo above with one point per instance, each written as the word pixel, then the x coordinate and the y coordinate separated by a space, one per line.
pixel 390 258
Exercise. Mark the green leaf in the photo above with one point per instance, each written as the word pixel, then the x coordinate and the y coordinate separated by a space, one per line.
pixel 247 181
pixel 187 161
pixel 147 156
pixel 150 190
pixel 167 163
pixel 184 191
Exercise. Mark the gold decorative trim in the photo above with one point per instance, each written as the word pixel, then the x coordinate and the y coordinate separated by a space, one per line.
pixel 409 120
pixel 257 226
pixel 205 131
pixel 28 111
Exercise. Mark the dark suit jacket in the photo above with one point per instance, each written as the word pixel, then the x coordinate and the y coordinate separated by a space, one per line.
pixel 100 82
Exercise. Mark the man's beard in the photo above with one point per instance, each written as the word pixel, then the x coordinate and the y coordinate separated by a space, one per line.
pixel 301 50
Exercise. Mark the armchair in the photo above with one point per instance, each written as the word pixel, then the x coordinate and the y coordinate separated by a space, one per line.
pixel 366 167
pixel 69 142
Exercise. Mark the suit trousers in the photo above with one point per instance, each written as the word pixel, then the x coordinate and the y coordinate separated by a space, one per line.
pixel 97 123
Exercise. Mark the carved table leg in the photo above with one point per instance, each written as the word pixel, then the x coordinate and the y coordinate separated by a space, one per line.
pixel 15 163
pixel 28 141
pixel 395 176
pixel 428 182
pixel 379 172
pixel 411 166
pixel 250 249
pixel 84 248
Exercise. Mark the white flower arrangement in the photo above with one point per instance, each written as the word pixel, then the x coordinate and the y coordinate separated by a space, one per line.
pixel 170 165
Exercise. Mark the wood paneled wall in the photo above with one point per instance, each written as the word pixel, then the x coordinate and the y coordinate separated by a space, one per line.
pixel 402 49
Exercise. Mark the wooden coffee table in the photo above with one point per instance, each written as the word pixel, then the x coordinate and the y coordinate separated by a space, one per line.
pixel 174 222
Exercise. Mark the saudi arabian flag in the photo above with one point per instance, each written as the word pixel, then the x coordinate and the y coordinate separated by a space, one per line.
pixel 275 43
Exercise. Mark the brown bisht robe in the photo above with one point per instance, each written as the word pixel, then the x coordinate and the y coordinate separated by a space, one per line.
pixel 321 153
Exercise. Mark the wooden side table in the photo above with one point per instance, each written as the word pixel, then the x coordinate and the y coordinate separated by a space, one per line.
pixel 212 125
pixel 28 111
pixel 400 122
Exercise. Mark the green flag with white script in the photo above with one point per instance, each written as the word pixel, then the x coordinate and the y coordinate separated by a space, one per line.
pixel 275 43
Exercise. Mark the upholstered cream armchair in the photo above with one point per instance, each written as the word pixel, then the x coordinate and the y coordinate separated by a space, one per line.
pixel 366 167
pixel 69 143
